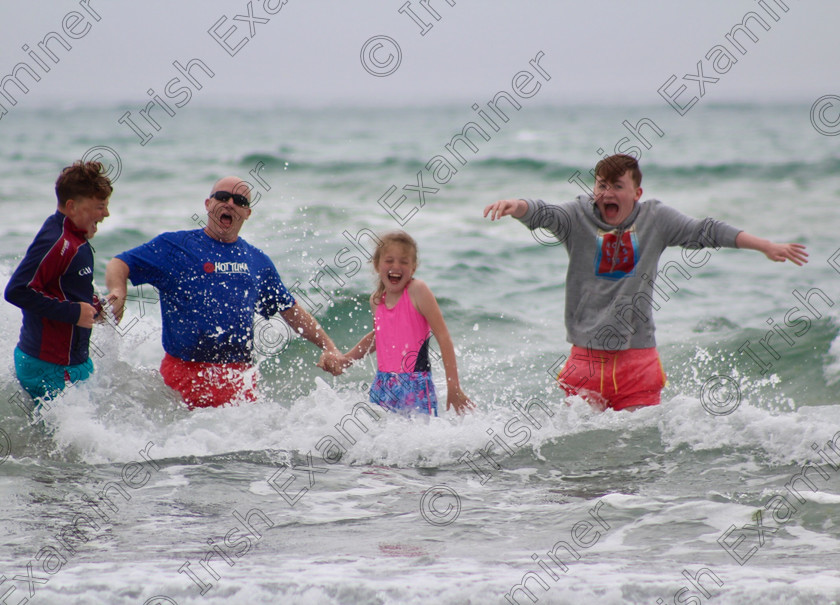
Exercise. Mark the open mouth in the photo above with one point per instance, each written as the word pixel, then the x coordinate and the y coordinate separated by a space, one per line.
pixel 610 210
pixel 394 277
pixel 225 219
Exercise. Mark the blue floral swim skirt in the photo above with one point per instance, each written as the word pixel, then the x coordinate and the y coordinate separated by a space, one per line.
pixel 405 392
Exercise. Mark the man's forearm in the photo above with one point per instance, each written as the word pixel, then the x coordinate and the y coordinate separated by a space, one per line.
pixel 307 326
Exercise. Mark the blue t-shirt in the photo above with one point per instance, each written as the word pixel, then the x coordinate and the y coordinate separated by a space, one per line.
pixel 209 291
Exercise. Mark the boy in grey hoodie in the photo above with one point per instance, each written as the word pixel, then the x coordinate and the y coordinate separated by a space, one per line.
pixel 614 244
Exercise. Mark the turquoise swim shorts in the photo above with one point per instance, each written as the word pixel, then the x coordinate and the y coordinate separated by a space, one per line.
pixel 45 380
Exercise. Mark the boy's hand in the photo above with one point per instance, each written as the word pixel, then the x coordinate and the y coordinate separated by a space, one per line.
pixel 100 308
pixel 87 315
pixel 456 398
pixel 514 208
pixel 779 253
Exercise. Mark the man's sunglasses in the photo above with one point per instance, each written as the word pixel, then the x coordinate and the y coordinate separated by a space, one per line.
pixel 238 199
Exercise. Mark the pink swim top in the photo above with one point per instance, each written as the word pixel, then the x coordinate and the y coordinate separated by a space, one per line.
pixel 402 337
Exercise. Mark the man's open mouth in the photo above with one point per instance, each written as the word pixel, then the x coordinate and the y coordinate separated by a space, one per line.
pixel 225 219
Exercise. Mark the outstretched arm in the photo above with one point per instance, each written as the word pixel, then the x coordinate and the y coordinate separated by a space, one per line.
pixel 779 253
pixel 514 208
pixel 304 324
pixel 427 305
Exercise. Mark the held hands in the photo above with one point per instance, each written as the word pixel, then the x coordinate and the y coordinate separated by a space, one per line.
pixel 95 313
pixel 497 210
pixel 333 362
pixel 115 304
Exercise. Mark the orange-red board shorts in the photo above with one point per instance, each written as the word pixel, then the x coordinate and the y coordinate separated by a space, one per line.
pixel 209 384
pixel 614 379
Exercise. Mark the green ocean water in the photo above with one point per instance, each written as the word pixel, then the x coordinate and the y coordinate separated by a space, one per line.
pixel 738 423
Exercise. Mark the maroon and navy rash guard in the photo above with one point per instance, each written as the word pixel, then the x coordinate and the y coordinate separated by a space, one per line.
pixel 55 274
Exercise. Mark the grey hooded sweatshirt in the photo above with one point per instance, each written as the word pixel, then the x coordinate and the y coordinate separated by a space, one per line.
pixel 611 287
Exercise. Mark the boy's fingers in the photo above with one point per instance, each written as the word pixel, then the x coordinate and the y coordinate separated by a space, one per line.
pixel 796 253
pixel 498 209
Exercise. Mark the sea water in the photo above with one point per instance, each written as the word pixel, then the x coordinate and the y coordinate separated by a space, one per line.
pixel 727 492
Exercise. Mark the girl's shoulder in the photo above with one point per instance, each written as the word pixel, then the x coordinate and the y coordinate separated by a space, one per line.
pixel 419 294
pixel 416 286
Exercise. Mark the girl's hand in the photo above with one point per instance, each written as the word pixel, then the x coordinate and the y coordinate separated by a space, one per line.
pixel 456 398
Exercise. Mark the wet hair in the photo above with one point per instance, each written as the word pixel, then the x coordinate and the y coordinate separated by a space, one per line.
pixel 82 179
pixel 613 167
pixel 400 238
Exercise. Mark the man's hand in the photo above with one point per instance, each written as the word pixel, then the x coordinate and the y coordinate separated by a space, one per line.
pixel 115 304
pixel 116 280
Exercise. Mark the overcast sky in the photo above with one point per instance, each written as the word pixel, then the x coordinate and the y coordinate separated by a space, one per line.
pixel 310 51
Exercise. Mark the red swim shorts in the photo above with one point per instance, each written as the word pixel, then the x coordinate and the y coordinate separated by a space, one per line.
pixel 209 384
pixel 614 379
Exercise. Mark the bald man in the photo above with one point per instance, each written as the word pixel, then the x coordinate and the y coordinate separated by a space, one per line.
pixel 211 283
